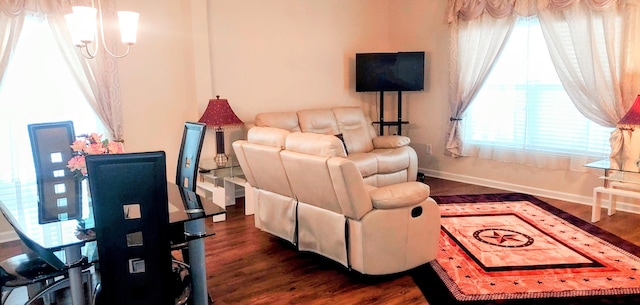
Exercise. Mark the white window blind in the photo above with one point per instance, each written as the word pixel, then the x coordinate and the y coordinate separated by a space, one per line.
pixel 522 106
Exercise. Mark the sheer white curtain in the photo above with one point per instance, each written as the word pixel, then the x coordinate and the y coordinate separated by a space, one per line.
pixel 474 45
pixel 590 47
pixel 11 20
pixel 608 78
pixel 44 78
pixel 97 77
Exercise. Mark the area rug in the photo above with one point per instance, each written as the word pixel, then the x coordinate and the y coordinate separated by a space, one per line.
pixel 516 249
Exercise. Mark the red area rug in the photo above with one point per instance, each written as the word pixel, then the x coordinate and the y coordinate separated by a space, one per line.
pixel 517 249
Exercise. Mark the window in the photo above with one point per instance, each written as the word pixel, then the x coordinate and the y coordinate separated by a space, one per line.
pixel 37 87
pixel 522 105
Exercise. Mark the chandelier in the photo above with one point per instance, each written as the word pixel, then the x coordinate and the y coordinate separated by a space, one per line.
pixel 84 29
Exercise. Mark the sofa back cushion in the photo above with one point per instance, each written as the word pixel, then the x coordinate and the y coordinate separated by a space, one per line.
pixel 262 154
pixel 238 149
pixel 315 144
pixel 355 129
pixel 320 121
pixel 322 178
pixel 351 191
pixel 283 120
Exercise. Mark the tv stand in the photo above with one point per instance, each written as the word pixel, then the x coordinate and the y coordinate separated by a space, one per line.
pixel 397 123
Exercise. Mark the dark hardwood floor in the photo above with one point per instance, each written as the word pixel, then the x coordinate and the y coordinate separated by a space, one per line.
pixel 247 266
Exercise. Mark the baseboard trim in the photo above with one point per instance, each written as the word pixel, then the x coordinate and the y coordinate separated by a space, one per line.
pixel 585 200
pixel 8 236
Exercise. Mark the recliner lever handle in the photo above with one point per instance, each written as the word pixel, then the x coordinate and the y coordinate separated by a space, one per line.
pixel 416 212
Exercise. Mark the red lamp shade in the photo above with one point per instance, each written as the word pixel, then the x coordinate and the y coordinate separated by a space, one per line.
pixel 633 115
pixel 219 113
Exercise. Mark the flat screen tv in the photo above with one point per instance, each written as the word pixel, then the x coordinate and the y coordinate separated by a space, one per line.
pixel 402 71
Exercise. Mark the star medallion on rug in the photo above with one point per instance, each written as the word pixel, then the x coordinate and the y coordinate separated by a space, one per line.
pixel 516 249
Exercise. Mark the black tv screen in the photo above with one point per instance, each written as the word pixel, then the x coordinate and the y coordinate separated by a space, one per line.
pixel 403 71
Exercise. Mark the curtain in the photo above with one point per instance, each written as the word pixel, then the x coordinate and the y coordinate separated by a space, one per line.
pixel 98 77
pixel 590 49
pixel 600 87
pixel 11 20
pixel 474 47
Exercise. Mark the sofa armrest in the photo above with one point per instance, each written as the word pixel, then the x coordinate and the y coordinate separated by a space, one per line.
pixel 399 195
pixel 391 141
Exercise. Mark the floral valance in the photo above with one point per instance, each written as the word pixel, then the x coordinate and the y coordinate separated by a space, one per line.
pixel 465 10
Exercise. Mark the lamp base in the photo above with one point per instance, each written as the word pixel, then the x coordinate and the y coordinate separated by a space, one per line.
pixel 221 160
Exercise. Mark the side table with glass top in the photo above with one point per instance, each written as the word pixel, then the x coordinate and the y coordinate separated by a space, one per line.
pixel 224 183
pixel 621 178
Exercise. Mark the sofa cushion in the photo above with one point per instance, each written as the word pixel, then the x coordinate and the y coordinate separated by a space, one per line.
pixel 366 163
pixel 315 144
pixel 391 141
pixel 399 195
pixel 283 120
pixel 355 128
pixel 268 136
pixel 320 121
pixel 391 160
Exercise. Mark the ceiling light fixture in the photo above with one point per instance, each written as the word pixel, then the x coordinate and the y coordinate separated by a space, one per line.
pixel 83 28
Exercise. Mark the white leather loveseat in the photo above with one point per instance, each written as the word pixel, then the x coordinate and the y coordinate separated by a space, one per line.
pixel 382 160
pixel 308 193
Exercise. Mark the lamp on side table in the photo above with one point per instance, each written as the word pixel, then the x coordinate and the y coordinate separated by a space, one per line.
pixel 219 114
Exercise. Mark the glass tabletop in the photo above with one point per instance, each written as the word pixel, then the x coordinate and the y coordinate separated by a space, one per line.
pixel 207 165
pixel 184 205
pixel 619 164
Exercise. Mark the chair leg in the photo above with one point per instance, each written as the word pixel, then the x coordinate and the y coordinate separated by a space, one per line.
pixel 46 292
pixel 96 294
pixel 5 296
pixel 48 289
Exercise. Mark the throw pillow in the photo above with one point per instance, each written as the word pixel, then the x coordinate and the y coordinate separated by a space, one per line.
pixel 339 136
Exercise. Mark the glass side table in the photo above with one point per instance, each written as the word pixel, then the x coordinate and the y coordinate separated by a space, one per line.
pixel 621 178
pixel 224 183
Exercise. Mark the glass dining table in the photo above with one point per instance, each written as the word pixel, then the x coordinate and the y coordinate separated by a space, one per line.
pixel 73 239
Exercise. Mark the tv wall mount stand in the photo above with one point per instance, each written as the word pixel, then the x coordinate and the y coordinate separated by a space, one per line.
pixel 381 122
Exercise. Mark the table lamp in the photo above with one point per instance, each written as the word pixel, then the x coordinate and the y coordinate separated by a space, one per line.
pixel 630 120
pixel 219 114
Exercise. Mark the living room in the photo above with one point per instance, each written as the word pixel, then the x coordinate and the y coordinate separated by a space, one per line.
pixel 287 55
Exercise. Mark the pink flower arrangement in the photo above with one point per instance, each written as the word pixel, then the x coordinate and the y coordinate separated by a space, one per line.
pixel 90 144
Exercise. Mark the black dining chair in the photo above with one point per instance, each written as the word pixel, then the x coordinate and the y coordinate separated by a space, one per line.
pixel 59 192
pixel 38 268
pixel 131 214
pixel 186 175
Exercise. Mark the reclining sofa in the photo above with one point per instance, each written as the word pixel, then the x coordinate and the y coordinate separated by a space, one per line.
pixel 381 160
pixel 311 194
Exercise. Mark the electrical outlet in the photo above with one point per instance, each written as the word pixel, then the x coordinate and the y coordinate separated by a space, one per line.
pixel 427 149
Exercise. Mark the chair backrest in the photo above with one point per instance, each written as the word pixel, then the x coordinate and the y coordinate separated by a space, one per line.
pixel 59 193
pixel 262 153
pixel 321 176
pixel 305 162
pixel 283 120
pixel 356 129
pixel 46 255
pixel 321 121
pixel 129 196
pixel 192 139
